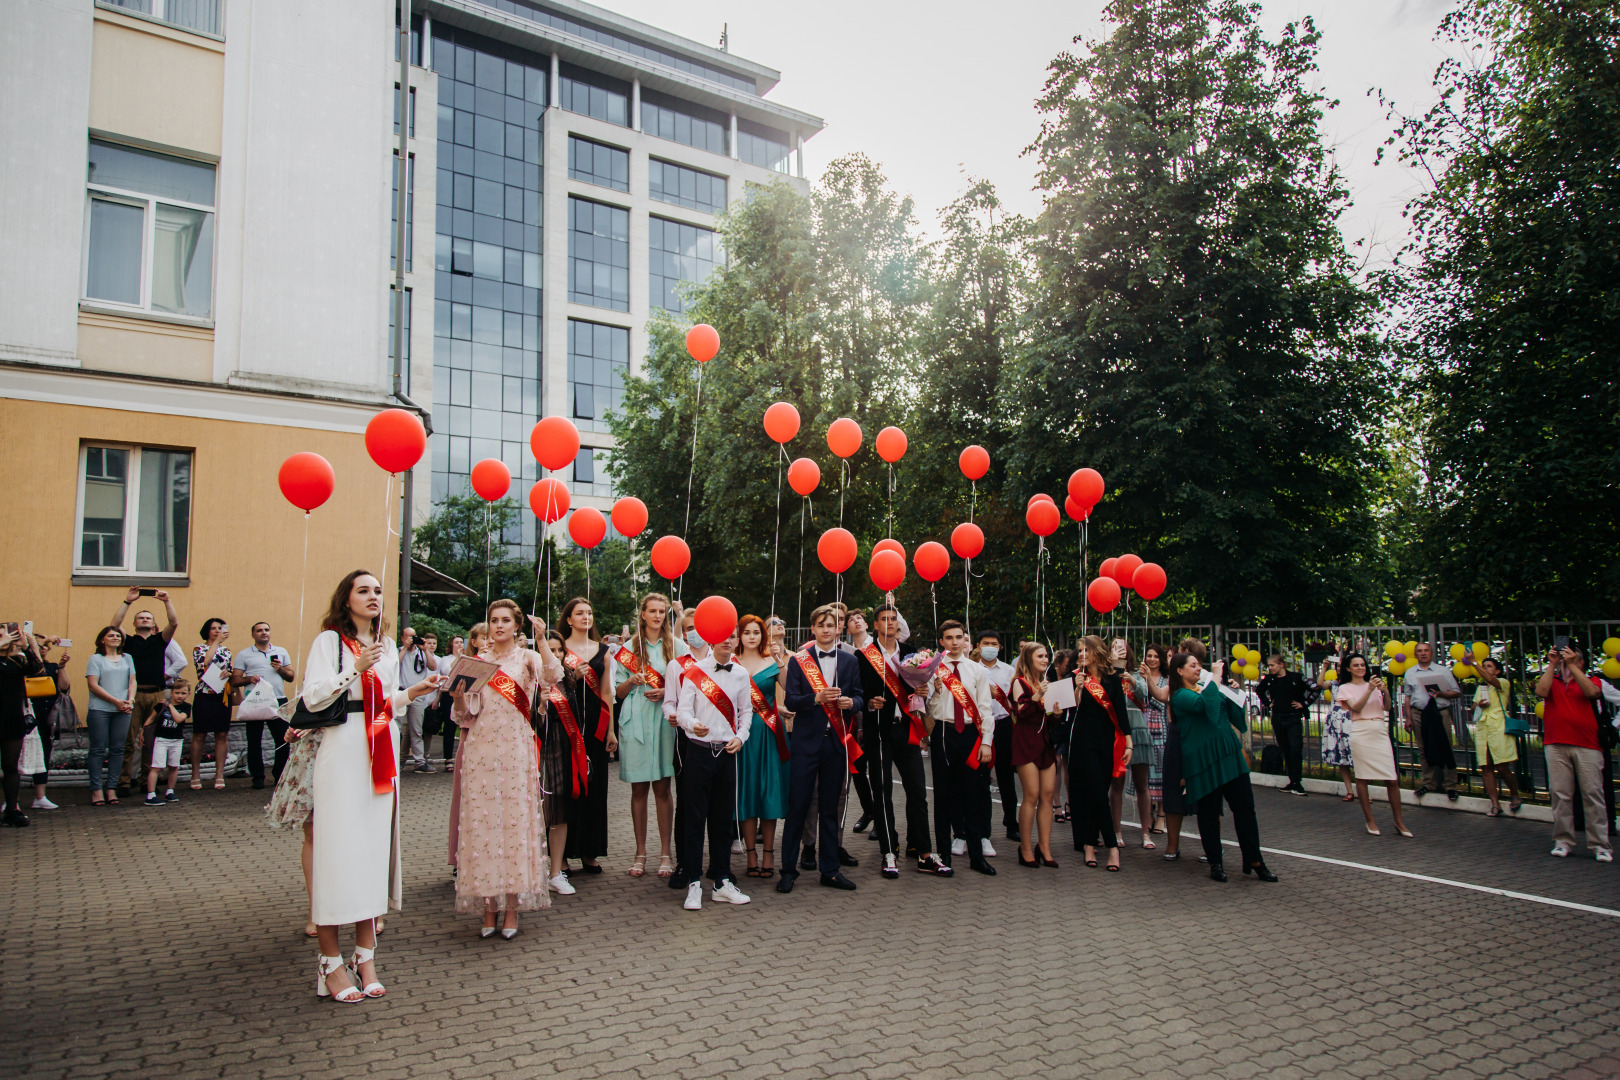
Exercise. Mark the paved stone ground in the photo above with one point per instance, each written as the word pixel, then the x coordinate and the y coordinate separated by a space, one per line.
pixel 167 943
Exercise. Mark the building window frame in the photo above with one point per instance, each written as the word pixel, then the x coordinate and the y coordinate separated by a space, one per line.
pixel 127 568
pixel 163 11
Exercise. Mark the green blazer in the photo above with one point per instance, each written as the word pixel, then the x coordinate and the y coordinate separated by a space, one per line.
pixel 1211 754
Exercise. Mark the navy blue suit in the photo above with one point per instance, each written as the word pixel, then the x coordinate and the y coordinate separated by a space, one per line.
pixel 818 763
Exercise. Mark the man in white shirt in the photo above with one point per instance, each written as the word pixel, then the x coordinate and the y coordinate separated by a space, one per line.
pixel 264 662
pixel 1429 688
pixel 674 676
pixel 714 709
pixel 961 744
pixel 415 664
pixel 1001 677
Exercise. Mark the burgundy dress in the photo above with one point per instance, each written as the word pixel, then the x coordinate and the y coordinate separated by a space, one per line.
pixel 1031 730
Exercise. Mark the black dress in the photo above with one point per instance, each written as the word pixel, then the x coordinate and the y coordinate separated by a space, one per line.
pixel 556 764
pixel 587 815
pixel 1091 760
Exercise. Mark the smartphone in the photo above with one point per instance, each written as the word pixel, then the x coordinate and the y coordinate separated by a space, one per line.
pixel 13 628
pixel 28 627
pixel 148 592
pixel 1561 642
pixel 66 643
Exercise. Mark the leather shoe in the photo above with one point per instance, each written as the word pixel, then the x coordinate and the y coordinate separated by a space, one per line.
pixel 784 884
pixel 1013 834
pixel 984 867
pixel 861 824
pixel 807 859
pixel 1259 870
pixel 678 880
pixel 846 859
pixel 1217 872
pixel 837 881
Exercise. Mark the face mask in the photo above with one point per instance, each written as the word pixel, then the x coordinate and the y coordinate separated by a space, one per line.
pixel 989 653
pixel 694 639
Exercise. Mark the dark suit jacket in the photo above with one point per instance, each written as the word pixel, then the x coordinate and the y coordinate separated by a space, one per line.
pixel 873 686
pixel 808 716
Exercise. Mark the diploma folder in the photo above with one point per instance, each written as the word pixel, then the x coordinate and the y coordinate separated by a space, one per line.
pixel 1059 695
pixel 468 675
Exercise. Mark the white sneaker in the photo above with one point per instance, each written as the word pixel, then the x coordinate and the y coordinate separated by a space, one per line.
pixel 737 846
pixel 1561 850
pixel 959 846
pixel 728 893
pixel 42 803
pixel 985 849
pixel 562 886
pixel 694 897
pixel 1603 854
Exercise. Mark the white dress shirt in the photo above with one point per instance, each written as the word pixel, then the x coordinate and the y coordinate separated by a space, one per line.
pixel 1001 674
pixel 1413 682
pixel 976 681
pixel 673 680
pixel 694 707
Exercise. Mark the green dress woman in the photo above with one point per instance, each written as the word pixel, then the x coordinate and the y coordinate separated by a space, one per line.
pixel 762 775
pixel 1213 767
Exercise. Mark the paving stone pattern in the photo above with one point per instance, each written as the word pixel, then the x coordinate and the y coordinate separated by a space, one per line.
pixel 167 943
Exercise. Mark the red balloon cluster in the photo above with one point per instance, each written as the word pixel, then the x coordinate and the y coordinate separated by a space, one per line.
pixel 587 527
pixel 1075 511
pixel 837 550
pixel 844 437
pixel 306 480
pixel 891 444
pixel 1122 572
pixel 1125 569
pixel 974 462
pixel 491 479
pixel 889 544
pixel 629 516
pixel 781 422
pixel 967 540
pixel 703 342
pixel 931 560
pixel 1149 581
pixel 1086 488
pixel 715 619
pixel 548 498
pixel 554 442
pixel 1103 594
pixel 670 557
pixel 396 439
pixel 1042 517
pixel 804 475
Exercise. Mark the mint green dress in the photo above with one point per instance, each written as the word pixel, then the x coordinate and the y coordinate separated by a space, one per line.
pixel 762 776
pixel 646 741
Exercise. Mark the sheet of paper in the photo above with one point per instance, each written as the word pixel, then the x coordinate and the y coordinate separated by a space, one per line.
pixel 1059 695
pixel 214 678
pixel 469 674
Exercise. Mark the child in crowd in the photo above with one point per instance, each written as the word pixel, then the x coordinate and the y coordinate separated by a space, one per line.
pixel 170 719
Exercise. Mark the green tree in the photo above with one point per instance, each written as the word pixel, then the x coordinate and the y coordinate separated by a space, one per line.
pixel 1199 335
pixel 1511 284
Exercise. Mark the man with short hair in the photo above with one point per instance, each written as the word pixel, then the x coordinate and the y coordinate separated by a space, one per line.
pixel 145 648
pixel 1426 686
pixel 1288 696
pixel 1001 676
pixel 961 744
pixel 1574 755
pixel 855 626
pixel 259 662
pixel 416 662
pixel 715 709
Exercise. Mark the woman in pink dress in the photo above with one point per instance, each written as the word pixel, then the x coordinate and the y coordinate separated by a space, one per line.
pixel 500 839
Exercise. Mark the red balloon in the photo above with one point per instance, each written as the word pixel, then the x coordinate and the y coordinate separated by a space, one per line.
pixel 548 499
pixel 889 545
pixel 888 569
pixel 804 475
pixel 306 480
pixel 1043 518
pixel 703 342
pixel 931 560
pixel 715 619
pixel 891 444
pixel 1086 485
pixel 395 439
pixel 587 527
pixel 1107 568
pixel 781 422
pixel 1103 594
pixel 1039 496
pixel 670 557
pixel 629 516
pixel 1074 509
pixel 1149 581
pixel 1125 569
pixel 491 479
pixel 837 550
pixel 967 540
pixel 844 437
pixel 554 442
pixel 974 462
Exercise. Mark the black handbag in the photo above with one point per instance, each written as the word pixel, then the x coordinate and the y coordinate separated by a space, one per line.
pixel 331 715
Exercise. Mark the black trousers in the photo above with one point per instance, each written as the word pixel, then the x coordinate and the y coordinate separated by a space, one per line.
pixel 1006 775
pixel 709 793
pixel 861 781
pixel 683 746
pixel 1290 735
pixel 960 790
pixel 1240 797
pixel 255 748
pixel 1091 774
pixel 889 750
pixel 817 765
pixel 435 722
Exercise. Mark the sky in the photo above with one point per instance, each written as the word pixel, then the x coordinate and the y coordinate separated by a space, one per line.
pixel 941 92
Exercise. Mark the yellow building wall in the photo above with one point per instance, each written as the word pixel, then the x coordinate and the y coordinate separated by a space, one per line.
pixel 157 84
pixel 247 542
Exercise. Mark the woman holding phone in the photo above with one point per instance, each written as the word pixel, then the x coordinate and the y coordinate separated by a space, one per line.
pixel 1367 701
pixel 19 659
pixel 112 703
pixel 212 708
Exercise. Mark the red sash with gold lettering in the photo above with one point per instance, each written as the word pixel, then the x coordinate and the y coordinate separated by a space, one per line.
pixel 634 665
pixel 767 712
pixel 580 764
pixel 711 690
pixel 970 710
pixel 604 719
pixel 899 696
pixel 835 715
pixel 379 706
pixel 1001 698
pixel 508 687
pixel 1094 688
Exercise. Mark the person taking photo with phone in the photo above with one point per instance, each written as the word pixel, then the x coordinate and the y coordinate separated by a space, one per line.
pixel 145 648
pixel 19 659
pixel 1574 756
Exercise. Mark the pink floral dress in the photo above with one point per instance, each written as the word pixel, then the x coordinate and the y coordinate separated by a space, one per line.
pixel 501 836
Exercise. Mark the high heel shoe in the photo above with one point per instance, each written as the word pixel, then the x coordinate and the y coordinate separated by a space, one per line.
pixel 1372 830
pixel 1033 864
pixel 509 932
pixel 486 931
pixel 328 965
pixel 1047 860
pixel 362 955
pixel 1259 870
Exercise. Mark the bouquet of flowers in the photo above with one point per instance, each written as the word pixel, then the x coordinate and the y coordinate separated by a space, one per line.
pixel 915 671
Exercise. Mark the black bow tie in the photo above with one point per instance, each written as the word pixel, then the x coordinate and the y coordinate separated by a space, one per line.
pixel 825 655
pixel 722 667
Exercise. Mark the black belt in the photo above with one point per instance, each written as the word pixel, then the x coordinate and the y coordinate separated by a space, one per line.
pixel 355 705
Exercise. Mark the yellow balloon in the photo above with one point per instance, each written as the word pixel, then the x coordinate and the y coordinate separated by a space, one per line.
pixel 1481 650
pixel 1462 671
pixel 1541 708
pixel 1251 671
pixel 1398 667
pixel 1611 668
pixel 1391 648
pixel 1330 675
pixel 1240 652
pixel 1457 651
pixel 1411 650
pixel 1612 646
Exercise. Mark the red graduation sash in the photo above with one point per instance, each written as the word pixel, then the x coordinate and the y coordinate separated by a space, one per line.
pixel 891 682
pixel 379 708
pixel 835 715
pixel 1094 688
pixel 632 663
pixel 1001 698
pixel 711 690
pixel 604 718
pixel 580 763
pixel 767 713
pixel 953 683
pixel 508 687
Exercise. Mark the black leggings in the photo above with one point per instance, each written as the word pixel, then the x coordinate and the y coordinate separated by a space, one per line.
pixel 1091 773
pixel 1240 797
pixel 11 749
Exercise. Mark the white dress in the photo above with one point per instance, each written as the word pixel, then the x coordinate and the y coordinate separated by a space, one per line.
pixel 356 869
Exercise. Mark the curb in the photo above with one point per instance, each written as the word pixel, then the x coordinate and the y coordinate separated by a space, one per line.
pixel 1468 804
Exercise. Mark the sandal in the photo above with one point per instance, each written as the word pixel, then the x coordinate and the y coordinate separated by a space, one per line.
pixel 666 867
pixel 196 784
pixel 1347 797
pixel 1515 804
pixel 372 989
pixel 310 929
pixel 331 965
pixel 753 865
pixel 768 872
pixel 1148 844
pixel 1495 811
pixel 219 784
pixel 638 866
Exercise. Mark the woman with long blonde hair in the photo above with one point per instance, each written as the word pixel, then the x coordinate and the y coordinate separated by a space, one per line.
pixel 646 740
pixel 1032 755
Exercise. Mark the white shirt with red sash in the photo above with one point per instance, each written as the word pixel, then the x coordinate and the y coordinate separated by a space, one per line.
pixel 672 679
pixel 975 679
pixel 695 706
pixel 1001 677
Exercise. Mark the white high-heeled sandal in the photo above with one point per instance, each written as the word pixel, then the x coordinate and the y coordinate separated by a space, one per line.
pixel 349 995
pixel 363 955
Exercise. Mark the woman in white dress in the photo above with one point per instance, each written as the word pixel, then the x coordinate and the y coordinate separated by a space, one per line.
pixel 1368 705
pixel 355 786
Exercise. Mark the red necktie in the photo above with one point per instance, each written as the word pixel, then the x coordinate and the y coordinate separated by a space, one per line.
pixel 956 706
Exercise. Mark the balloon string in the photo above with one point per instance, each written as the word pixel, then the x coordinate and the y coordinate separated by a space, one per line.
pixel 798 620
pixel 388 532
pixel 974 502
pixel 889 532
pixel 843 480
pixel 588 576
pixel 776 552
pixel 1040 550
pixel 934 597
pixel 303 576
pixel 698 404
pixel 487 542
pixel 967 595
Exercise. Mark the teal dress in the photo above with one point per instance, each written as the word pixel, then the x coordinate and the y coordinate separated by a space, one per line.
pixel 646 741
pixel 762 776
pixel 1211 754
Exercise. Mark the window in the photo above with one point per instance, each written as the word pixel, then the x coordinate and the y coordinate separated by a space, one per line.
pixel 598 254
pixel 590 472
pixel 672 183
pixel 150 231
pixel 410 209
pixel 591 94
pixel 193 14
pixel 410 102
pixel 677 253
pixel 404 341
pixel 683 122
pixel 761 145
pixel 134 493
pixel 598 359
pixel 596 163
